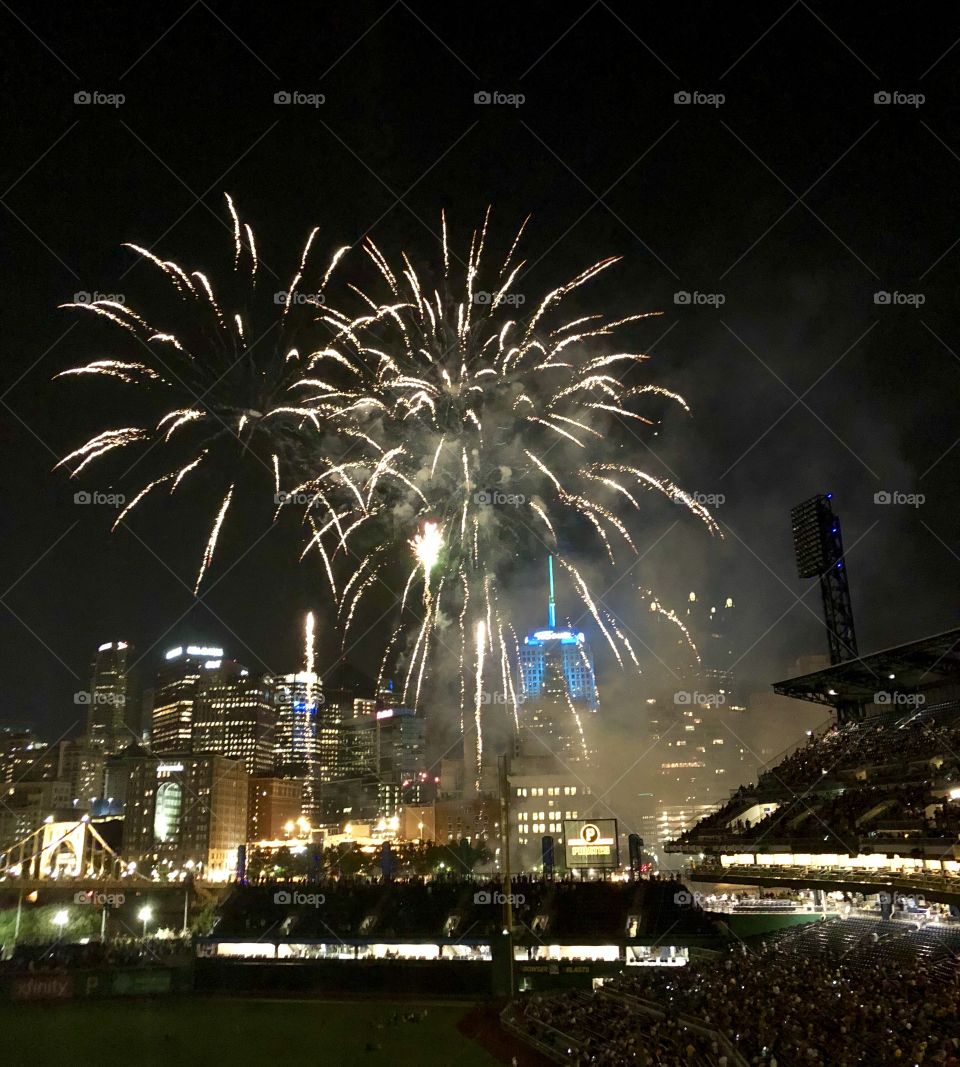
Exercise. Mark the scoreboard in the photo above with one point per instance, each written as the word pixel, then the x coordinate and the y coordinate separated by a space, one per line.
pixel 592 843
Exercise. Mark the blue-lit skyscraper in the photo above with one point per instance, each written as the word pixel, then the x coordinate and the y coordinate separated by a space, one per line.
pixel 297 751
pixel 568 646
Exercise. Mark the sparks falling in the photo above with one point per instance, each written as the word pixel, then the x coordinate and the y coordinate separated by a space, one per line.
pixel 219 381
pixel 484 437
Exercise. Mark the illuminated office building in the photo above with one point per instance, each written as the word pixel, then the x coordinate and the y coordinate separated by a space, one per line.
pixel 24 757
pixel 82 764
pixel 296 753
pixel 183 812
pixel 107 699
pixel 382 765
pixel 543 793
pixel 558 686
pixel 560 723
pixel 336 707
pixel 235 715
pixel 175 694
pixel 274 809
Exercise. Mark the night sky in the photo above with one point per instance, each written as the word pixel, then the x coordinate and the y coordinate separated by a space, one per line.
pixel 797 198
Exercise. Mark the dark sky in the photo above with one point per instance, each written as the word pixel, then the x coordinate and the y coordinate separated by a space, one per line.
pixel 797 198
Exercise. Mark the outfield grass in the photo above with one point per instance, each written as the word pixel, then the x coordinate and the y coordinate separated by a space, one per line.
pixel 208 1031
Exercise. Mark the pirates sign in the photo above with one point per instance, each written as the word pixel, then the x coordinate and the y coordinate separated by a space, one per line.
pixel 591 843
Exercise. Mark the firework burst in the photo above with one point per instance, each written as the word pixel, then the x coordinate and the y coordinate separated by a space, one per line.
pixel 484 434
pixel 217 385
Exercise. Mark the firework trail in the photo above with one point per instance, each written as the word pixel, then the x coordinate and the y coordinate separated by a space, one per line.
pixel 671 616
pixel 309 654
pixel 218 386
pixel 483 435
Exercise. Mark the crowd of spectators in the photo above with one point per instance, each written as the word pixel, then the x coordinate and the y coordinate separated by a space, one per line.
pixel 816 791
pixel 867 744
pixel 845 813
pixel 600 1029
pixel 778 1005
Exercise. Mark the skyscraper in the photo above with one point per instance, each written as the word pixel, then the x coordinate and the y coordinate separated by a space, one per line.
pixel 336 706
pixel 692 711
pixel 175 694
pixel 401 759
pixel 555 717
pixel 710 623
pixel 235 715
pixel 569 647
pixel 21 751
pixel 382 765
pixel 298 697
pixel 108 698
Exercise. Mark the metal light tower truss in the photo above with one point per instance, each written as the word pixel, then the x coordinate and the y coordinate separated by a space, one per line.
pixel 818 547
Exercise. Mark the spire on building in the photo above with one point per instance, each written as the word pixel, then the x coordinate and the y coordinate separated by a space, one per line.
pixel 551 603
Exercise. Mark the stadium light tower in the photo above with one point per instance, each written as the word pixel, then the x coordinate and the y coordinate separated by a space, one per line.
pixel 818 547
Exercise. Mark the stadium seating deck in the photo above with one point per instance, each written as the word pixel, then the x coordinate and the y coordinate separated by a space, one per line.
pixel 839 993
pixel 879 784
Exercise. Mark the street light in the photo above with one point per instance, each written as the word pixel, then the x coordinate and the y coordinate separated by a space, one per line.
pixel 145 914
pixel 60 920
